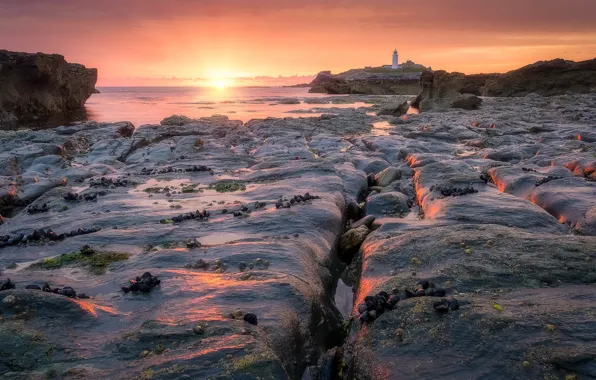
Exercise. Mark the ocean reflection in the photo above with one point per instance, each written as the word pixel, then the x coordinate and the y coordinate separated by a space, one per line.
pixel 149 105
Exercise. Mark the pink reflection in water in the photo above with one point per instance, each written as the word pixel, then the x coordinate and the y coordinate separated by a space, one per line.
pixel 149 105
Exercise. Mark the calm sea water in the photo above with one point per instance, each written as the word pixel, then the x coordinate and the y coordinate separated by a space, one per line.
pixel 149 105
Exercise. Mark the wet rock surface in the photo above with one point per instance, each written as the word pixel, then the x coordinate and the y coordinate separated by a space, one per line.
pixel 219 246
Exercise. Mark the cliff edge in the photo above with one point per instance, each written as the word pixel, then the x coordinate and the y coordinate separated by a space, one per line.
pixel 37 85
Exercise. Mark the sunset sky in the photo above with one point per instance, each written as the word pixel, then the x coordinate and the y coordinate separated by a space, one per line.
pixel 136 42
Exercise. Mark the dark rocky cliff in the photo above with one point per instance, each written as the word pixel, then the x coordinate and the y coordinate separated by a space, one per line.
pixel 37 85
pixel 546 78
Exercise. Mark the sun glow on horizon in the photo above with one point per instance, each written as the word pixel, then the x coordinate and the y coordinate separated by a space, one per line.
pixel 221 83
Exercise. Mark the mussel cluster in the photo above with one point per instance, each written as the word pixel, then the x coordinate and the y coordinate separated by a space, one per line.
pixel 285 203
pixel 7 285
pixel 544 180
pixel 89 197
pixel 65 291
pixel 246 210
pixel 444 305
pixel 448 191
pixel 374 306
pixel 38 209
pixel 200 215
pixel 195 168
pixel 7 240
pixel 108 182
pixel 425 288
pixel 144 284
pixel 39 235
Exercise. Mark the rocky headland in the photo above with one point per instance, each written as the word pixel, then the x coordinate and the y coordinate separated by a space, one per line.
pixel 546 78
pixel 365 82
pixel 36 86
pixel 454 243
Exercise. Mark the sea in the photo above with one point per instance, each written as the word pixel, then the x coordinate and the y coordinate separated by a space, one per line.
pixel 150 105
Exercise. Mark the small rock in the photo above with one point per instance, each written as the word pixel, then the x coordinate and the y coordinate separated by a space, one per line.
pixel 400 334
pixel 353 210
pixel 441 306
pixel 198 329
pixel 372 315
pixel 454 304
pixel 251 318
pixel 192 243
pixel 351 240
pixel 366 221
pixel 387 176
pixel 9 301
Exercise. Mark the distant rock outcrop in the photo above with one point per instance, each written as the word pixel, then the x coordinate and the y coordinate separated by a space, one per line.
pixel 366 82
pixel 37 85
pixel 546 78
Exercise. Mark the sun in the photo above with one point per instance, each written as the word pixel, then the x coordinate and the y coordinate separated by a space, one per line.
pixel 221 83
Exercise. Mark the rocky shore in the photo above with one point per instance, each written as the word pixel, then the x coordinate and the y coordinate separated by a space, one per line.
pixel 218 249
pixel 547 78
pixel 36 86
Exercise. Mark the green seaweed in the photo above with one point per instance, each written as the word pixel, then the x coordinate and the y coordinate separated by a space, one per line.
pixel 192 188
pixel 227 187
pixel 96 262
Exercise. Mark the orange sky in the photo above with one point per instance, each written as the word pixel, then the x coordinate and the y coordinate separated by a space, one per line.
pixel 135 42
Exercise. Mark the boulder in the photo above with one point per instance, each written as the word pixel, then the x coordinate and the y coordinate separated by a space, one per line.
pixel 467 102
pixel 178 120
pixel 366 221
pixel 375 166
pixel 392 203
pixel 394 109
pixel 350 241
pixel 443 90
pixel 387 176
pixel 37 85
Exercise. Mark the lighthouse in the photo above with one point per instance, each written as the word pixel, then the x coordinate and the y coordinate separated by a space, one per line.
pixel 395 62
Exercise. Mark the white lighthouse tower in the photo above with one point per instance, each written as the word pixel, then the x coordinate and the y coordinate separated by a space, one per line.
pixel 395 62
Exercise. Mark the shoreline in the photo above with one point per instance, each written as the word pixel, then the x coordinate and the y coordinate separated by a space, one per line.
pixel 250 226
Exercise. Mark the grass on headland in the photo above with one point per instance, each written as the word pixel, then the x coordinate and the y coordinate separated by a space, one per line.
pixel 96 262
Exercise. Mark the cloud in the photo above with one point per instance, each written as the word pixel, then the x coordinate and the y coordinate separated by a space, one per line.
pixel 206 38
